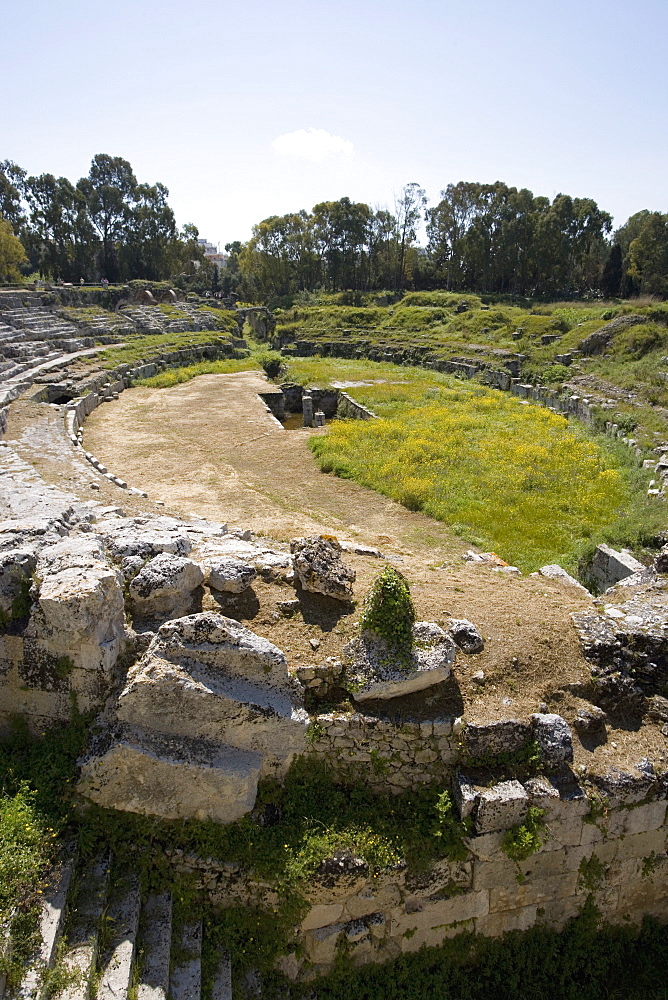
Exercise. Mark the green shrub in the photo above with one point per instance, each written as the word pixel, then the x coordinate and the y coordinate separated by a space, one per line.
pixel 271 362
pixel 389 611
pixel 522 841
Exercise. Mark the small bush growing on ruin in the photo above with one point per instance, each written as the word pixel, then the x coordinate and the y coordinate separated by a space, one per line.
pixel 271 362
pixel 389 612
pixel 520 842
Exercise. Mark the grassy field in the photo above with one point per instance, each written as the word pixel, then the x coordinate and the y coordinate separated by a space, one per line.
pixel 448 325
pixel 145 347
pixel 506 475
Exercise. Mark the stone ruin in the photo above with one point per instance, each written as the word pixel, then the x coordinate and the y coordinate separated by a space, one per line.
pixel 193 709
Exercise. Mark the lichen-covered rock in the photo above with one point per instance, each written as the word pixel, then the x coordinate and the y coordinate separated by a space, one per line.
pixel 79 612
pixel 222 643
pixel 373 671
pixel 555 572
pixel 229 575
pixel 338 877
pixel 501 807
pixel 145 537
pixel 16 569
pixel 466 635
pixel 319 567
pixel 590 721
pixel 165 584
pixel 661 561
pixel 488 739
pixel 207 677
pixel 170 777
pixel 553 735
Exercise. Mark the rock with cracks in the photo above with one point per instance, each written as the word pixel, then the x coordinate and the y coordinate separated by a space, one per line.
pixel 466 635
pixel 207 677
pixel 229 575
pixel 165 585
pixel 373 670
pixel 320 569
pixel 170 777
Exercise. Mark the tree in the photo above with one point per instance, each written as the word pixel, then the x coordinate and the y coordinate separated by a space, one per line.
pixel 110 191
pixel 150 229
pixel 12 254
pixel 12 178
pixel 60 237
pixel 409 208
pixel 648 255
pixel 613 272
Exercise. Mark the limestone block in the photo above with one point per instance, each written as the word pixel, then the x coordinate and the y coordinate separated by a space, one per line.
pixel 371 899
pixel 79 614
pixel 490 874
pixel 496 924
pixel 557 912
pixel 165 585
pixel 433 936
pixel 80 601
pixel 486 846
pixel 593 833
pixel 229 575
pixel 322 915
pixel 553 735
pixel 145 537
pixel 555 572
pixel 320 945
pixel 489 739
pixel 441 912
pixel 644 817
pixel 319 567
pixel 337 878
pixel 466 635
pixel 512 896
pixel 640 845
pixel 16 568
pixel 373 672
pixel 171 778
pixel 568 805
pixel 501 807
pixel 199 701
pixel 441 875
pixel 464 793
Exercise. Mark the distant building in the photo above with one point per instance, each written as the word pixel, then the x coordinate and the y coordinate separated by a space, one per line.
pixel 213 254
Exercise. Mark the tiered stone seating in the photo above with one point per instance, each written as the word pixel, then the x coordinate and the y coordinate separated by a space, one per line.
pixel 116 945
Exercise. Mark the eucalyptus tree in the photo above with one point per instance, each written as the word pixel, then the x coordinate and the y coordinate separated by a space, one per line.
pixel 110 190
pixel 409 208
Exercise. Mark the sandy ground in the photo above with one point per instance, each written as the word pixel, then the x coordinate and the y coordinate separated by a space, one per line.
pixel 209 448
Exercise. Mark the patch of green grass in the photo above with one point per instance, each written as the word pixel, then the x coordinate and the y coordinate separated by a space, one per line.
pixel 519 478
pixel 148 346
pixel 177 376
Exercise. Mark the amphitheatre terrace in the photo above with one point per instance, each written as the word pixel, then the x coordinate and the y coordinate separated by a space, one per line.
pixel 179 573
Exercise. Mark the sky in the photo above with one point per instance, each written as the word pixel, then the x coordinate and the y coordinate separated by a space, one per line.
pixel 246 110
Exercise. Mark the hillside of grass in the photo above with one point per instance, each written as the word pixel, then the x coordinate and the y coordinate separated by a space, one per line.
pixel 629 376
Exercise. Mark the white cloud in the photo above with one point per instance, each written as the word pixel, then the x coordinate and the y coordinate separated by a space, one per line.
pixel 313 144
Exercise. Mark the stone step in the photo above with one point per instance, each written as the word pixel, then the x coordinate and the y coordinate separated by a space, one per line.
pixel 51 924
pixel 185 981
pixel 222 984
pixel 84 920
pixel 116 963
pixel 154 942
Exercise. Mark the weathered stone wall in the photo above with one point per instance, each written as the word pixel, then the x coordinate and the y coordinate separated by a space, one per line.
pixel 350 408
pixel 398 755
pixel 606 841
